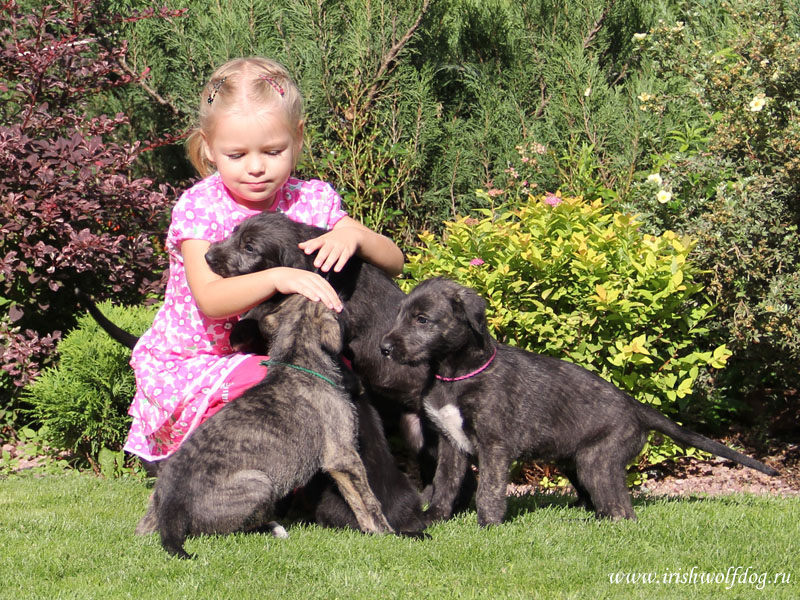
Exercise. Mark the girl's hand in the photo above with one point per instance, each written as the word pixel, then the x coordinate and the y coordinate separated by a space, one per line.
pixel 311 285
pixel 333 248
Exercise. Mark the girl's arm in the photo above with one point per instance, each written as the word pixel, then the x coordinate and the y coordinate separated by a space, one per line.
pixel 219 297
pixel 349 237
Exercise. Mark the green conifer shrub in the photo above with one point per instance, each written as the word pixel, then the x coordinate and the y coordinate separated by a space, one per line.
pixel 82 401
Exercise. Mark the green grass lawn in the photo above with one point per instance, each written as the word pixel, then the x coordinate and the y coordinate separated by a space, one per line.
pixel 71 536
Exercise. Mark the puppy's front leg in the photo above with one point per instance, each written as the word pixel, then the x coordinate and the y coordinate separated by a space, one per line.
pixel 493 466
pixel 451 466
pixel 351 479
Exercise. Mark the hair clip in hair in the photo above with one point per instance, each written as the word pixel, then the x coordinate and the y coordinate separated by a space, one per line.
pixel 273 83
pixel 215 89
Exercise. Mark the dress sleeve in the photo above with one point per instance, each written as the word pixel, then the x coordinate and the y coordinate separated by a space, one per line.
pixel 196 216
pixel 313 202
pixel 335 212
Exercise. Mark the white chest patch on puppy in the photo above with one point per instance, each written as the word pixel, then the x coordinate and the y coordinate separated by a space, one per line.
pixel 448 419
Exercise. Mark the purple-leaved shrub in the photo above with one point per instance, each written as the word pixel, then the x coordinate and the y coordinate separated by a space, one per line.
pixel 72 213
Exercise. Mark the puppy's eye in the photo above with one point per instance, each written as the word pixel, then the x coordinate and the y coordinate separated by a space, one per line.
pixel 249 248
pixel 421 319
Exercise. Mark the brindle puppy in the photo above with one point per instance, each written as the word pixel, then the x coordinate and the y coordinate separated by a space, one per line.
pixel 228 475
pixel 319 500
pixel 500 403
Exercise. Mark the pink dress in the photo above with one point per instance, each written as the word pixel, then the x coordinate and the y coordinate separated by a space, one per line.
pixel 183 363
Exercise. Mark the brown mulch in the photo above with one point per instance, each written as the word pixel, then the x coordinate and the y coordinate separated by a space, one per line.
pixel 714 477
pixel 23 460
pixel 717 477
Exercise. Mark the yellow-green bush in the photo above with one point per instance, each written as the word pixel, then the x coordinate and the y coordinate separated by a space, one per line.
pixel 575 280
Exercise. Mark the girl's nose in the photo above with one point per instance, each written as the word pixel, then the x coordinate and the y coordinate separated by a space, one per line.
pixel 255 166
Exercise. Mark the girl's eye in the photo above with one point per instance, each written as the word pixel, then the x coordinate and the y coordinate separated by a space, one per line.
pixel 235 156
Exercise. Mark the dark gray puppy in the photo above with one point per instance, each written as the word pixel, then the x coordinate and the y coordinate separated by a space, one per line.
pixel 501 403
pixel 228 475
pixel 371 298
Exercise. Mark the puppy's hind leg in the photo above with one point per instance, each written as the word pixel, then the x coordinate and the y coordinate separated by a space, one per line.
pixel 584 500
pixel 243 502
pixel 605 482
pixel 351 478
pixel 173 526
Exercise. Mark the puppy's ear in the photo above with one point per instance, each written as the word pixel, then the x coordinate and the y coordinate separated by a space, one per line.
pixel 268 325
pixel 292 256
pixel 331 333
pixel 474 308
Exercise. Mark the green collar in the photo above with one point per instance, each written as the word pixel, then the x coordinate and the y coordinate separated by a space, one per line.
pixel 269 363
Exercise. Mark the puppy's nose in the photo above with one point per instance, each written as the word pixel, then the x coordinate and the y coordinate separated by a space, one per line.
pixel 386 348
pixel 210 258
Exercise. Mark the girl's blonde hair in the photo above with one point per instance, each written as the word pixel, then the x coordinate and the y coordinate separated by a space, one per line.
pixel 253 79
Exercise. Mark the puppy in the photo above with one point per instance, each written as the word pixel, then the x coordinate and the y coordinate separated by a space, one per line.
pixel 500 403
pixel 228 475
pixel 370 296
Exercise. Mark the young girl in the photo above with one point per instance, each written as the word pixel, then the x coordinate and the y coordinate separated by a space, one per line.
pixel 248 139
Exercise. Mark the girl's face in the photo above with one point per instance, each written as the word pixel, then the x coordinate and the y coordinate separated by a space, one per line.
pixel 254 154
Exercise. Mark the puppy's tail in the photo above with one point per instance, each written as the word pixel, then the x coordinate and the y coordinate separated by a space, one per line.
pixel 117 333
pixel 652 419
pixel 149 522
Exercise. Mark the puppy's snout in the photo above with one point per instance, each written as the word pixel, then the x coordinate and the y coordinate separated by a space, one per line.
pixel 386 347
pixel 211 259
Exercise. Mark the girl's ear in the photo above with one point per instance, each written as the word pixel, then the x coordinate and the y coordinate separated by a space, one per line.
pixel 298 139
pixel 207 149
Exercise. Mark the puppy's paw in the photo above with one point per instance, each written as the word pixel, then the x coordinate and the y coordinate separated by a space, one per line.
pixel 277 530
pixel 414 535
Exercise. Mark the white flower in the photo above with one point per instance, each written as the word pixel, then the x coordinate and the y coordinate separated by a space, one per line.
pixel 757 103
pixel 654 178
pixel 664 196
pixel 587 91
pixel 638 37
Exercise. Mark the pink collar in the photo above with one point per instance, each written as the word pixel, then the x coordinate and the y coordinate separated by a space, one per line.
pixel 475 372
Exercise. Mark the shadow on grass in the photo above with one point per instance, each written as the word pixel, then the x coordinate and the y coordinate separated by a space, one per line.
pixel 520 505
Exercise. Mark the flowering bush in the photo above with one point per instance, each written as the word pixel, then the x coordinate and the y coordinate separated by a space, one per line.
pixel 730 177
pixel 70 210
pixel 573 279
